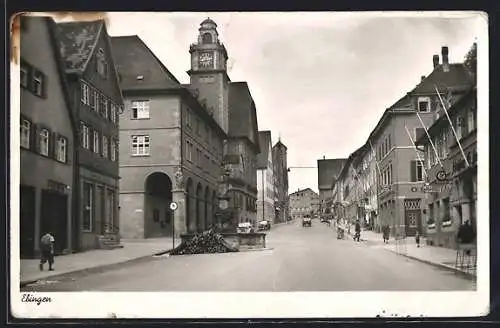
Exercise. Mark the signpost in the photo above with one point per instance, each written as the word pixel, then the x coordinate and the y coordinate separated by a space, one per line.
pixel 173 207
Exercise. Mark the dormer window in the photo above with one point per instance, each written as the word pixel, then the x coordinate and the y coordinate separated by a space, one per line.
pixel 424 104
pixel 206 38
pixel 102 65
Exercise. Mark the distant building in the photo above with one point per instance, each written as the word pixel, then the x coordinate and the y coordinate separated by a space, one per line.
pixel 280 171
pixel 47 164
pixel 328 170
pixel 452 181
pixel 303 202
pixel 170 150
pixel 97 99
pixel 265 179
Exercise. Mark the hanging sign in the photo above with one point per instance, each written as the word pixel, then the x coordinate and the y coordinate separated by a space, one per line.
pixel 173 206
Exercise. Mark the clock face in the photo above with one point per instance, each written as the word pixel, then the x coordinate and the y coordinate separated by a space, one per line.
pixel 206 59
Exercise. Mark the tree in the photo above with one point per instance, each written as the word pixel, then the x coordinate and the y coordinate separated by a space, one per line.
pixel 470 60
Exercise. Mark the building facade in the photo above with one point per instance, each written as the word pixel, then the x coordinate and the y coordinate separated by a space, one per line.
pixel 170 150
pixel 94 86
pixel 47 163
pixel 280 170
pixel 265 179
pixel 451 177
pixel 328 171
pixel 304 202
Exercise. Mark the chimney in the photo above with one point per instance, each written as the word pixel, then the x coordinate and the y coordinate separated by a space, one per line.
pixel 435 60
pixel 422 78
pixel 444 54
pixel 323 156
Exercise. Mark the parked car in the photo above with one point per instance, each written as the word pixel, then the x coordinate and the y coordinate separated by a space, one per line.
pixel 264 225
pixel 244 227
pixel 306 221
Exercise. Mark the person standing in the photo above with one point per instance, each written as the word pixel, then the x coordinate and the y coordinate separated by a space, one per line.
pixel 357 229
pixel 47 248
pixel 417 238
pixel 385 233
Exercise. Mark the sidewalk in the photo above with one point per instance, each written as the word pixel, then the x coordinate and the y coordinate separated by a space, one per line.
pixel 433 255
pixel 95 259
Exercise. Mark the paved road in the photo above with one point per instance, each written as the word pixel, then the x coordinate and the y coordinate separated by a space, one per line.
pixel 302 259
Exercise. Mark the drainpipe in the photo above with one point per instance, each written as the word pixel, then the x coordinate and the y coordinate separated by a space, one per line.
pixel 76 177
pixel 263 194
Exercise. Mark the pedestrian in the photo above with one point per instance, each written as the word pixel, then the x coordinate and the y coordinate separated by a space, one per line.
pixel 417 238
pixel 47 248
pixel 385 233
pixel 466 235
pixel 357 229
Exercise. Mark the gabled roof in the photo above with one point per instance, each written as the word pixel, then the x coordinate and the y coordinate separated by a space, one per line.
pixel 442 121
pixel 138 66
pixel 328 169
pixel 242 113
pixel 265 145
pixel 77 42
pixel 457 78
pixel 279 144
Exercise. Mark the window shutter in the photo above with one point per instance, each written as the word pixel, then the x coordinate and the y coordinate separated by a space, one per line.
pixel 91 138
pixel 34 137
pixel 413 171
pixel 67 151
pixel 44 85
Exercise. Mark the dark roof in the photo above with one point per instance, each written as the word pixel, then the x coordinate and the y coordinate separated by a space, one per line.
pixel 133 59
pixel 328 169
pixel 263 156
pixel 279 144
pixel 458 77
pixel 208 21
pixel 242 113
pixel 443 120
pixel 77 43
pixel 303 190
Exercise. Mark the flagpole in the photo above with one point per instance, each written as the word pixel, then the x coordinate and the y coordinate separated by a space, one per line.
pixel 452 128
pixel 376 162
pixel 430 139
pixel 416 152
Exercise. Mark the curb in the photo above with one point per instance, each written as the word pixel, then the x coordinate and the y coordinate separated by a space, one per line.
pixel 94 269
pixel 467 275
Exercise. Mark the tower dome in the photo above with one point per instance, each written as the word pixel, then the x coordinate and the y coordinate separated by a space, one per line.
pixel 208 24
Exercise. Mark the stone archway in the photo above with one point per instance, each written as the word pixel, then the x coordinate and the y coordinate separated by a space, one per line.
pixel 199 207
pixel 190 205
pixel 158 218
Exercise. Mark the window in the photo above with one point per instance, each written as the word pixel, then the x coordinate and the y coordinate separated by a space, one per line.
pixel 62 149
pixel 97 103
pixel 206 38
pixel 84 135
pixel 44 142
pixel 104 106
pixel 188 118
pixel 25 133
pixel 112 112
pixel 458 129
pixel 105 149
pixel 88 207
pixel 416 171
pixel 92 98
pixel 113 150
pixel 471 121
pixel 24 74
pixel 140 109
pixel 102 66
pixel 37 82
pixel 96 142
pixel 84 89
pixel 419 132
pixel 424 104
pixel 140 145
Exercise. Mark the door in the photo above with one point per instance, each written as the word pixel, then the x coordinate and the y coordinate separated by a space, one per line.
pixel 412 222
pixel 27 221
pixel 54 218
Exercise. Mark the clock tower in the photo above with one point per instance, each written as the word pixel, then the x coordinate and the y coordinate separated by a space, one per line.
pixel 208 73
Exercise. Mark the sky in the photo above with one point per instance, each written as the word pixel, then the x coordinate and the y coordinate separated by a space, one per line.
pixel 320 81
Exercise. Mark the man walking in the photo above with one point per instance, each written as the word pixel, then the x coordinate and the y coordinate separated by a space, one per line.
pixel 357 229
pixel 47 248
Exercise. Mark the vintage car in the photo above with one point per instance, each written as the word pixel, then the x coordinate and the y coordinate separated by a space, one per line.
pixel 306 221
pixel 264 225
pixel 244 227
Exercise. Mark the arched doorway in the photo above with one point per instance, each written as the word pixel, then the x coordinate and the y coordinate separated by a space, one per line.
pixel 158 217
pixel 190 203
pixel 199 207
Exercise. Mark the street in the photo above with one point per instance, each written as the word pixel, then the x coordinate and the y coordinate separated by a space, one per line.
pixel 301 259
